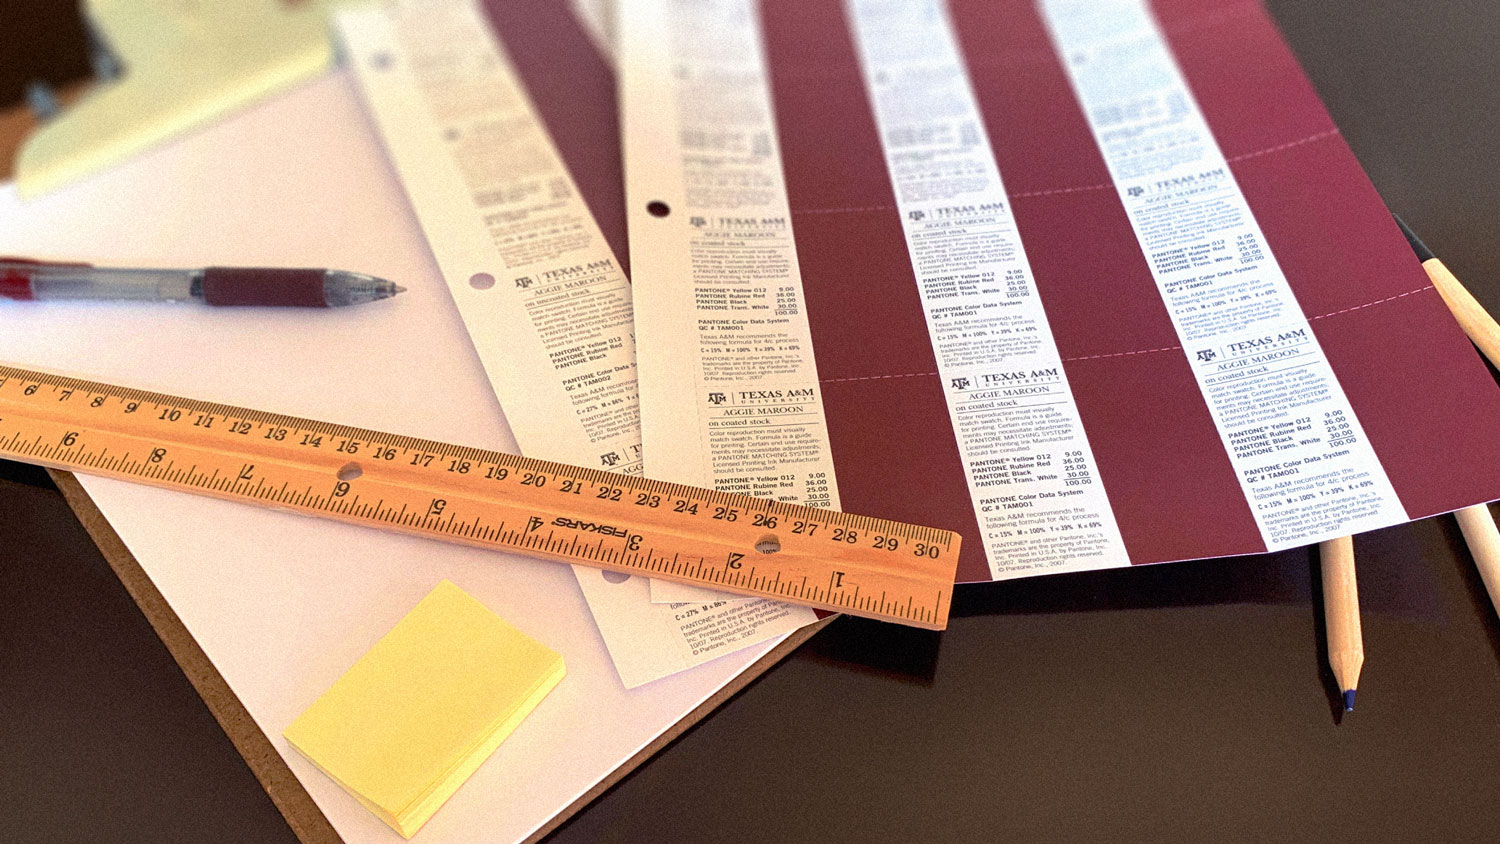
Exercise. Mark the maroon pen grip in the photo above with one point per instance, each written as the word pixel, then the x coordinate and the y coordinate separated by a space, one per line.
pixel 266 287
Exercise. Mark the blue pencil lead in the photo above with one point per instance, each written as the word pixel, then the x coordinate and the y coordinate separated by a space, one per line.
pixel 1349 700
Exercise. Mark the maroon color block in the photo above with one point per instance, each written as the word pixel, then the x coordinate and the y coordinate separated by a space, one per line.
pixel 260 286
pixel 1409 373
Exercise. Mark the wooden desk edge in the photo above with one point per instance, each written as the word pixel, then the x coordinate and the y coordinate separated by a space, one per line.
pixel 295 804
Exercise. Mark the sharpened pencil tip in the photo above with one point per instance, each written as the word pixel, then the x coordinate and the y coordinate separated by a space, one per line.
pixel 1423 253
pixel 1349 700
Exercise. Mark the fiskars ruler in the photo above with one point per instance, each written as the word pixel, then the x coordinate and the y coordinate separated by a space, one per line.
pixel 821 558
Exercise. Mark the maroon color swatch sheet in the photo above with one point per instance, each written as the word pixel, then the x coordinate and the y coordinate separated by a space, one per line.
pixel 1409 374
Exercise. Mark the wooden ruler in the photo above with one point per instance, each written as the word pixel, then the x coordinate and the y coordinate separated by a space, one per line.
pixel 752 546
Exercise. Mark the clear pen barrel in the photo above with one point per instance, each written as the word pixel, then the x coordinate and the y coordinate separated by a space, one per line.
pixel 54 283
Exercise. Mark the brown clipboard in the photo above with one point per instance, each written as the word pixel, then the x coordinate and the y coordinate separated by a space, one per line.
pixel 293 801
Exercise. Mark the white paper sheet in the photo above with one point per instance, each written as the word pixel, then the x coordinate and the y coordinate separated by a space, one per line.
pixel 283 604
pixel 729 389
pixel 554 328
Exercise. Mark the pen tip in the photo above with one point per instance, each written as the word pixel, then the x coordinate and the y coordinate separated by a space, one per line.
pixel 1349 700
pixel 399 288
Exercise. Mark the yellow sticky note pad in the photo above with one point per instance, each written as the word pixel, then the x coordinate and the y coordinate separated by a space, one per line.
pixel 417 714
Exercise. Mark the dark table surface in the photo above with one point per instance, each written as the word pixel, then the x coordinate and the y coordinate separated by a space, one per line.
pixel 1188 702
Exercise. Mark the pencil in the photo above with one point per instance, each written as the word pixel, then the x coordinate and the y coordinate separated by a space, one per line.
pixel 1346 647
pixel 1477 523
pixel 1483 540
pixel 1472 317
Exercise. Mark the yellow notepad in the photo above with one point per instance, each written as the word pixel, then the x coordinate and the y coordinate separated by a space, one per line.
pixel 417 714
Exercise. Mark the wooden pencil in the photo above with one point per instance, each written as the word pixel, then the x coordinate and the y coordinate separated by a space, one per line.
pixel 1477 523
pixel 1483 540
pixel 1346 647
pixel 1476 322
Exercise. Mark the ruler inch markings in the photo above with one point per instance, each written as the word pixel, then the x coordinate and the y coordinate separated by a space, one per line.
pixel 415 486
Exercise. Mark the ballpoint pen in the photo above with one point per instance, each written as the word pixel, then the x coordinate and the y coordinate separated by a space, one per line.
pixel 28 280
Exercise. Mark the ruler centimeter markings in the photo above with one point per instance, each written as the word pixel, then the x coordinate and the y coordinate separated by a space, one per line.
pixel 821 558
